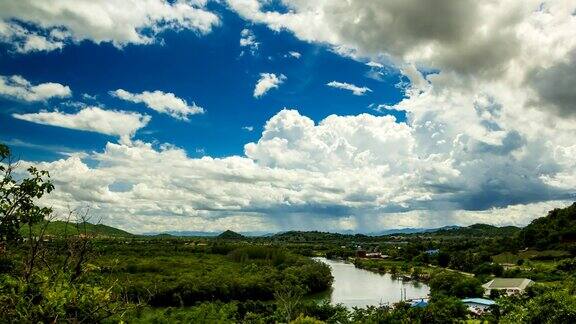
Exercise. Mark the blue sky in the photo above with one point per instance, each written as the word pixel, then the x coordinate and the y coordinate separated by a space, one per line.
pixel 254 115
pixel 205 69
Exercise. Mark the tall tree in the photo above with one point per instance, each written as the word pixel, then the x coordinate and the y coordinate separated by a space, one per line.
pixel 18 196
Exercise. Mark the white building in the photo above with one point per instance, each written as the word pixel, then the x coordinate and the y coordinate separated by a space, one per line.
pixel 509 286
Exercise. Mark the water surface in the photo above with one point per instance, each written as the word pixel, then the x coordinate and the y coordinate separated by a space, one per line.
pixel 361 288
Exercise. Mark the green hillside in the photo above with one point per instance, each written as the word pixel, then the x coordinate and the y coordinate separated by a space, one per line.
pixel 61 228
pixel 556 230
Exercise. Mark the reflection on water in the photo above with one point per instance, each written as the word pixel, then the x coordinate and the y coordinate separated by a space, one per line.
pixel 358 287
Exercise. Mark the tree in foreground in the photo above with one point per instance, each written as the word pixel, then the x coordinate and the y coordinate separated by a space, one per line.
pixel 288 298
pixel 47 285
pixel 18 197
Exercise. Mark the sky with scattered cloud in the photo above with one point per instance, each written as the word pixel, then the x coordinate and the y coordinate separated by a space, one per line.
pixel 262 116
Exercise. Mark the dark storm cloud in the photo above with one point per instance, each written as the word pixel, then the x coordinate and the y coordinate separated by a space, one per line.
pixel 556 87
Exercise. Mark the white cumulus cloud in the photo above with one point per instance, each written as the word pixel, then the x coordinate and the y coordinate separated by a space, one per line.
pixel 24 40
pixel 162 102
pixel 60 22
pixel 266 82
pixel 19 88
pixel 94 119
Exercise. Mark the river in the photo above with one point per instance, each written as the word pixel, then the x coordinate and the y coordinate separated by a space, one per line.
pixel 355 287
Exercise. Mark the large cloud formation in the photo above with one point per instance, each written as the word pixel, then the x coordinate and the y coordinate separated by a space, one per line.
pixel 461 35
pixel 489 135
pixel 347 172
pixel 58 22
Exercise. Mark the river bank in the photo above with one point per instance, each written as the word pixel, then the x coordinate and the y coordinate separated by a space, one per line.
pixel 399 269
pixel 355 287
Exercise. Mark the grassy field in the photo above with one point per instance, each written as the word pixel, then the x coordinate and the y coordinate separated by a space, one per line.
pixel 511 258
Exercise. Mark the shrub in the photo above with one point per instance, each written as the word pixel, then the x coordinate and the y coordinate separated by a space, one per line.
pixel 454 284
pixel 49 300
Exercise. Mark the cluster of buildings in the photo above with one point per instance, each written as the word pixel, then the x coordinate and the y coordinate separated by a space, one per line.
pixel 374 254
pixel 477 306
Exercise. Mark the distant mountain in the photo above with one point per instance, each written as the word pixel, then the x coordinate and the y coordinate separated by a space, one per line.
pixel 61 228
pixel 184 233
pixel 230 235
pixel 556 230
pixel 410 230
pixel 476 230
pixel 163 236
pixel 206 234
pixel 298 233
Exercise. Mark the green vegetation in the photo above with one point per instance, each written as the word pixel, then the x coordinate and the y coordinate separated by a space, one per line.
pixel 456 285
pixel 61 229
pixel 315 236
pixel 556 231
pixel 182 273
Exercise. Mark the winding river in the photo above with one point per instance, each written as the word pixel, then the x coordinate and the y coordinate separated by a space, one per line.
pixel 355 287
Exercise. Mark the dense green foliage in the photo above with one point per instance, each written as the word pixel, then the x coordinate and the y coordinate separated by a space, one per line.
pixel 144 276
pixel 49 299
pixel 557 230
pixel 441 310
pixel 315 236
pixel 457 285
pixel 541 304
pixel 183 273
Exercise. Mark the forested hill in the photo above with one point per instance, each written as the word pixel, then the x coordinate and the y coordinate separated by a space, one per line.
pixel 478 230
pixel 61 228
pixel 556 230
pixel 313 236
pixel 230 235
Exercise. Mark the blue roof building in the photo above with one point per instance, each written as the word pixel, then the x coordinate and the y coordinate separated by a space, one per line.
pixel 419 303
pixel 480 301
pixel 478 306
